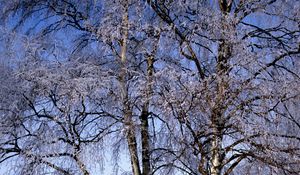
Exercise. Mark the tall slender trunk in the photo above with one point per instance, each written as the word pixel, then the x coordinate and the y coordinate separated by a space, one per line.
pixel 144 119
pixel 145 142
pixel 216 145
pixel 224 53
pixel 132 144
pixel 128 121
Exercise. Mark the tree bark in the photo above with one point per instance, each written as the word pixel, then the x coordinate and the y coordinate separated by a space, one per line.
pixel 224 53
pixel 144 119
pixel 145 143
pixel 216 145
pixel 81 165
pixel 128 122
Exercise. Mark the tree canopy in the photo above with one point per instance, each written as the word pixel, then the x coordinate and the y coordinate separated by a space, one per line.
pixel 150 87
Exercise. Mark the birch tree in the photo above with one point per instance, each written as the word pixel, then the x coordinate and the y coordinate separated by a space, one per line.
pixel 227 115
pixel 190 87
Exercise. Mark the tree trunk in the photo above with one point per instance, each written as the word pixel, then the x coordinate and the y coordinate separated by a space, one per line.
pixel 132 144
pixel 81 165
pixel 144 119
pixel 216 145
pixel 224 53
pixel 145 143
pixel 129 123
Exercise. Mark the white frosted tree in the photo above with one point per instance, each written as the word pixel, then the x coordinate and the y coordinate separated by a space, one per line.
pixel 189 86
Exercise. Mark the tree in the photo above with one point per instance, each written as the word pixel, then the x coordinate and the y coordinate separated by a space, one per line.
pixel 194 87
pixel 222 113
